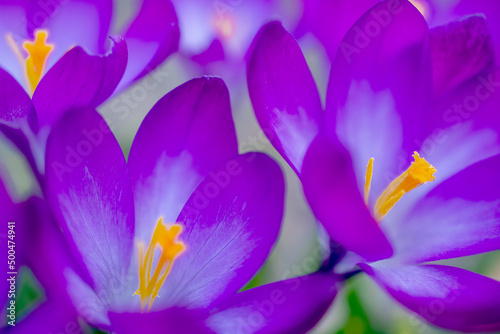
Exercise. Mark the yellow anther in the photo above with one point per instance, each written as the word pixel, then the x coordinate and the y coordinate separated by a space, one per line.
pixel 38 52
pixel 419 172
pixel 368 180
pixel 165 239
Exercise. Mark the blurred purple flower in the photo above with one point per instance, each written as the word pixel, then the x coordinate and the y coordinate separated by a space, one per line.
pixel 396 87
pixel 186 196
pixel 60 25
pixel 330 20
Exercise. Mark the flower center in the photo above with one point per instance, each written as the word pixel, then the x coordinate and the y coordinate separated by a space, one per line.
pixel 165 240
pixel 225 26
pixel 38 52
pixel 419 172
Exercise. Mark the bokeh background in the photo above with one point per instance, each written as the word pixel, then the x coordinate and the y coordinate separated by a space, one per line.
pixel 361 307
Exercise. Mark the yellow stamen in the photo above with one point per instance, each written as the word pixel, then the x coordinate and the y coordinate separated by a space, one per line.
pixel 368 180
pixel 38 52
pixel 165 239
pixel 419 172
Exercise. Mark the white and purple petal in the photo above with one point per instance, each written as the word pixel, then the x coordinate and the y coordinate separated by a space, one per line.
pixel 90 194
pixel 283 93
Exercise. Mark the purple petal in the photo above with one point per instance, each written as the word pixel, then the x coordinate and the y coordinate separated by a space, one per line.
pixel 460 217
pixel 291 306
pixel 79 80
pixel 231 223
pixel 330 20
pixel 171 320
pixel 460 51
pixel 151 38
pixel 18 120
pixel 330 188
pixel 185 135
pixel 448 297
pixel 89 191
pixel 380 85
pixel 463 129
pixel 283 92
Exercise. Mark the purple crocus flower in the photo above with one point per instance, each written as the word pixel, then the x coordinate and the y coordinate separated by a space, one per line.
pixel 38 52
pixel 396 88
pixel 165 242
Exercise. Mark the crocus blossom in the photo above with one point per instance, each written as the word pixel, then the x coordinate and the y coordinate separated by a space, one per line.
pixel 165 242
pixel 56 50
pixel 37 34
pixel 401 168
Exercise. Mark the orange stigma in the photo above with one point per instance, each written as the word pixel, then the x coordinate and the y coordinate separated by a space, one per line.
pixel 38 52
pixel 165 239
pixel 419 172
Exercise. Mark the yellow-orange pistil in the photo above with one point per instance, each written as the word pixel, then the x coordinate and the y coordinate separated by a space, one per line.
pixel 165 238
pixel 38 52
pixel 419 172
